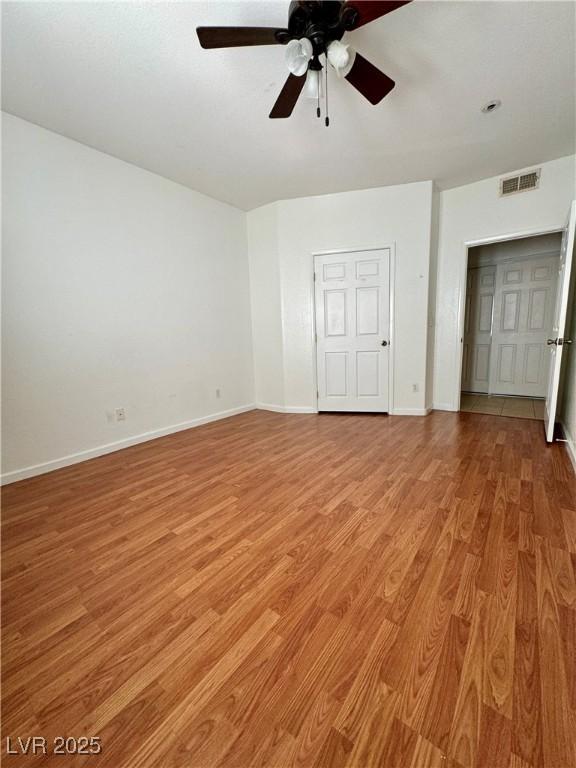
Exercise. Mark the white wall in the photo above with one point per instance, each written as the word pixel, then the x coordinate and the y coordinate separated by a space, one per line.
pixel 266 307
pixel 432 298
pixel 476 212
pixel 121 289
pixel 372 218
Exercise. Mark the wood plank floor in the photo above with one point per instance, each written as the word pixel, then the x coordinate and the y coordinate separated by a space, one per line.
pixel 271 590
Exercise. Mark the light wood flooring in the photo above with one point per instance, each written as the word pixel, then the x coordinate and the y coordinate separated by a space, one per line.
pixel 516 407
pixel 282 590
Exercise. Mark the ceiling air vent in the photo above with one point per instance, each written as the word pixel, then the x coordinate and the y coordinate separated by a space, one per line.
pixel 521 183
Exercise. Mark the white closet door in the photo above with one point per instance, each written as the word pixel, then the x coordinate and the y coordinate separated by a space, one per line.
pixel 523 318
pixel 478 329
pixel 352 294
pixel 557 342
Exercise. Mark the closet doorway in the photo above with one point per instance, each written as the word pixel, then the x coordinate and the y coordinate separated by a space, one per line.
pixel 509 314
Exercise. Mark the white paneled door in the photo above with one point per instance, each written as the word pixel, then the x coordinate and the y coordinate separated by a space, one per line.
pixel 557 341
pixel 352 297
pixel 478 329
pixel 523 316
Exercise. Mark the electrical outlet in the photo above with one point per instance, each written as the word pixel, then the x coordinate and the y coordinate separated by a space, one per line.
pixel 120 414
pixel 415 388
pixel 218 394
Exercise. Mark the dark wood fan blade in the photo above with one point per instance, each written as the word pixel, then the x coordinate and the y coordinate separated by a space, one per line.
pixel 368 10
pixel 369 80
pixel 231 37
pixel 288 97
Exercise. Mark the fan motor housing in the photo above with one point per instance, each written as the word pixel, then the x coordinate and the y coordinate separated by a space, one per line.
pixel 321 23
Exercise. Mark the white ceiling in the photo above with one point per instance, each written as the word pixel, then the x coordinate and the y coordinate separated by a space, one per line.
pixel 130 79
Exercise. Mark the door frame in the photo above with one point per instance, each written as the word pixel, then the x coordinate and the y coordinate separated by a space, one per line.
pixel 391 282
pixel 462 290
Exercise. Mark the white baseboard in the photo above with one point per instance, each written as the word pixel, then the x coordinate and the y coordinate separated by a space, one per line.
pixel 270 407
pixel 310 409
pixel 118 445
pixel 300 409
pixel 285 408
pixel 570 446
pixel 410 411
pixel 444 407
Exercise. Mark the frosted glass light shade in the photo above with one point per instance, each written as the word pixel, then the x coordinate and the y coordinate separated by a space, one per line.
pixel 341 57
pixel 298 54
pixel 313 84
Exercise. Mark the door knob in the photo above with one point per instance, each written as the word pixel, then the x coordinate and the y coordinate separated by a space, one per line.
pixel 552 341
pixel 384 343
pixel 567 341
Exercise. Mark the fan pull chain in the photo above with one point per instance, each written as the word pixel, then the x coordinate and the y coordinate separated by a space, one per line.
pixel 318 113
pixel 326 119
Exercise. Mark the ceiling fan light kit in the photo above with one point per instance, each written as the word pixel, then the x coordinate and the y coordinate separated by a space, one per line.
pixel 298 54
pixel 315 28
pixel 341 57
pixel 313 84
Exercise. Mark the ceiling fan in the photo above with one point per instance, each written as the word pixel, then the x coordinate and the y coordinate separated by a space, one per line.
pixel 315 28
